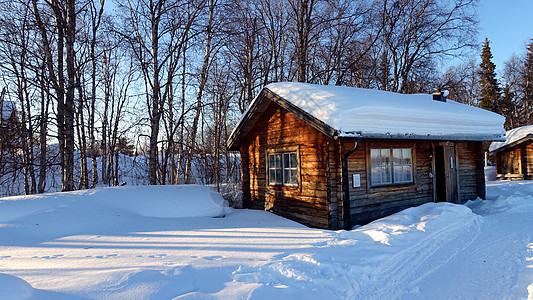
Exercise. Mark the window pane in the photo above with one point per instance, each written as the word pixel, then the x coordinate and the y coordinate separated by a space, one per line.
pixel 274 169
pixel 397 156
pixel 294 177
pixel 398 174
pixel 380 166
pixel 294 160
pixel 402 165
pixel 286 160
pixel 271 169
pixel 380 175
pixel 406 153
pixel 386 175
pixel 391 166
pixel 286 176
pixel 271 176
pixel 408 173
pixel 278 161
pixel 375 176
pixel 385 157
pixel 375 157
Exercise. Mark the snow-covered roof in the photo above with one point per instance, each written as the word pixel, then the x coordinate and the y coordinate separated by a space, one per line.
pixel 356 111
pixel 365 113
pixel 513 137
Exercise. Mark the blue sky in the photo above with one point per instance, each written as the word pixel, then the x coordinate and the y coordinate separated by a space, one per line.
pixel 509 26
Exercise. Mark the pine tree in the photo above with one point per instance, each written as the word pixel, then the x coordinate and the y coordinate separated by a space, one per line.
pixel 507 107
pixel 490 91
pixel 528 86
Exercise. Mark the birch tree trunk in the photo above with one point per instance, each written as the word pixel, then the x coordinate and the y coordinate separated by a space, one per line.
pixel 203 79
pixel 68 184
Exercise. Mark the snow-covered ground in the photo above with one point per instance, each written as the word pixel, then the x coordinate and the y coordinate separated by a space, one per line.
pixel 183 242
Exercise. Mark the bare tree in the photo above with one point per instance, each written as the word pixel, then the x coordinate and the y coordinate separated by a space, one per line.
pixel 154 41
pixel 95 15
pixel 65 31
pixel 209 31
pixel 462 81
pixel 417 31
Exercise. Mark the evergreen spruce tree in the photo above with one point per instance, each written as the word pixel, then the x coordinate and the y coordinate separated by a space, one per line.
pixel 528 86
pixel 490 91
pixel 507 107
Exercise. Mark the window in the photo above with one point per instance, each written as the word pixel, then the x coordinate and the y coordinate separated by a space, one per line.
pixel 391 166
pixel 283 169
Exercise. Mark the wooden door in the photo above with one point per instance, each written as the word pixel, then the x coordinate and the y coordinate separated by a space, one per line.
pixel 450 173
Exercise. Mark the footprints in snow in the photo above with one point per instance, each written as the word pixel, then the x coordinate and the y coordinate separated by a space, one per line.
pixel 102 256
pixel 214 257
pixel 61 255
pixel 153 256
pixel 54 209
pixel 49 256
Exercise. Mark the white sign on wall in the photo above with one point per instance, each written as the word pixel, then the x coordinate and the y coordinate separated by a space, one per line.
pixel 356 180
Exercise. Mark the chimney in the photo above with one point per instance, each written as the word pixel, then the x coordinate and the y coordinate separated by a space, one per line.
pixel 440 96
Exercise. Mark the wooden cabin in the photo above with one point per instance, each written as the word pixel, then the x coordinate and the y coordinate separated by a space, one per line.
pixel 514 156
pixel 334 157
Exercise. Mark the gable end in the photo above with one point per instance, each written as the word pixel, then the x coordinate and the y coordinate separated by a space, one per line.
pixel 259 106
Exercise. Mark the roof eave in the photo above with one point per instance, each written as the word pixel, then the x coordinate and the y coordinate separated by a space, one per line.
pixel 233 144
pixel 451 137
pixel 527 138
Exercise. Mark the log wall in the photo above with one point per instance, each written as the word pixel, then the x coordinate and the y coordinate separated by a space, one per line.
pixel 278 130
pixel 471 170
pixel 516 162
pixel 529 161
pixel 509 162
pixel 369 203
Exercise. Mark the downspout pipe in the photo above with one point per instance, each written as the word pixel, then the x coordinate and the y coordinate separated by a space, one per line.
pixel 346 186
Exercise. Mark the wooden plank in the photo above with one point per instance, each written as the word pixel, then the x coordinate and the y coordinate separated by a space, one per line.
pixel 281 131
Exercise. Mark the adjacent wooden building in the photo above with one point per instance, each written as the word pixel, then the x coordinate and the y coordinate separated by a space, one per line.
pixel 514 156
pixel 333 157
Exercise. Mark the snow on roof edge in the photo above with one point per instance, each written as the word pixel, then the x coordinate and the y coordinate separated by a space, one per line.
pixel 244 115
pixel 512 136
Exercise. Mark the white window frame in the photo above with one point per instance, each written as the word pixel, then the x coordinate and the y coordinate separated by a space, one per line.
pixel 283 164
pixel 388 167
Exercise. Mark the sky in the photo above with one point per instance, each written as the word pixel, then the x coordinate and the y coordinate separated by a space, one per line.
pixel 508 25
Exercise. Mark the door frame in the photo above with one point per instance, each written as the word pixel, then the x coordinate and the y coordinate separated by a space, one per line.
pixel 450 175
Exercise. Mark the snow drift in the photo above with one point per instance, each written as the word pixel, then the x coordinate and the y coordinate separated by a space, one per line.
pixel 170 201
pixel 13 287
pixel 369 261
